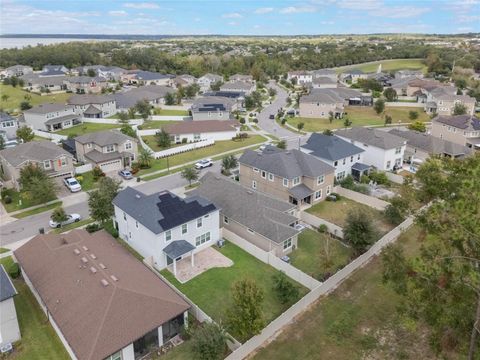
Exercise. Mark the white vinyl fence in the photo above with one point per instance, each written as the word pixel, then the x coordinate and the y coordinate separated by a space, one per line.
pixel 183 148
pixel 48 135
pixel 316 222
pixel 169 117
pixel 405 104
pixel 111 121
pixel 362 198
pixel 147 132
pixel 83 168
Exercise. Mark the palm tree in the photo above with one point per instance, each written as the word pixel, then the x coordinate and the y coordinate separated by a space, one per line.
pixel 282 144
pixel 145 157
pixel 190 174
pixel 229 162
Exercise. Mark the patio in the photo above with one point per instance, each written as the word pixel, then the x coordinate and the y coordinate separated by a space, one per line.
pixel 186 269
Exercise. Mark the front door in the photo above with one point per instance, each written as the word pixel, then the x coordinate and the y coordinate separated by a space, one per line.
pixel 169 260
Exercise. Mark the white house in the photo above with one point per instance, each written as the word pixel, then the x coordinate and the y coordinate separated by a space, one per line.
pixel 302 77
pixel 51 117
pixel 383 150
pixel 165 228
pixel 93 106
pixel 202 130
pixel 9 330
pixel 207 80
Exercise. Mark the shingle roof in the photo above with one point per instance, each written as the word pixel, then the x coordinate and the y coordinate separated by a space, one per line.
pixel 48 108
pixel 37 151
pixel 7 290
pixel 330 147
pixel 463 122
pixel 92 110
pixel 128 99
pixel 150 75
pixel 190 127
pixel 161 211
pixel 98 157
pixel 103 138
pixel 90 99
pixel 84 79
pixel 236 85
pixel 96 320
pixel 212 103
pixel 373 137
pixel 178 248
pixel 6 117
pixel 287 164
pixel 300 191
pixel 60 119
pixel 259 212
pixel 330 96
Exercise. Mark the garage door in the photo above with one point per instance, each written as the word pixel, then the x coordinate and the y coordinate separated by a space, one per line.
pixel 108 166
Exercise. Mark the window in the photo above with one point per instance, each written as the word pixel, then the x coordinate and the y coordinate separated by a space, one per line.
pixel 202 239
pixel 296 180
pixel 47 164
pixel 206 216
pixel 136 224
pixel 128 145
pixel 351 159
pixel 335 163
pixel 250 231
pixel 89 145
pixel 329 189
pixel 63 161
pixel 398 162
pixel 116 356
pixel 184 228
pixel 398 150
pixel 254 184
pixel 341 175
pixel 318 194
pixel 271 177
pixel 358 157
pixel 264 174
pixel 255 170
pixel 199 222
pixel 8 124
pixel 124 216
pixel 196 137
pixel 110 148
pixel 285 182
pixel 287 244
pixel 225 220
pixel 168 235
pixel 320 179
pixel 389 163
pixel 344 161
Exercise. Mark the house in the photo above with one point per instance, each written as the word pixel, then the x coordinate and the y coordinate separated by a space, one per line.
pixel 336 152
pixel 192 131
pixel 323 82
pixel 291 175
pixel 140 77
pixel 259 218
pixel 408 74
pixel 441 101
pixel 352 76
pixel 101 301
pixel 165 228
pixel 320 103
pixel 460 129
pixel 51 117
pixel 93 106
pixel 153 94
pixel 111 73
pixel 238 86
pixel 238 97
pixel 416 86
pixel 241 77
pixel 9 330
pixel 383 150
pixel 54 68
pixel 329 73
pixel 8 129
pixel 37 83
pixel 206 81
pixel 52 158
pixel 110 150
pixel 85 84
pixel 420 146
pixel 400 85
pixel 300 77
pixel 212 108
pixel 16 70
pixel 183 81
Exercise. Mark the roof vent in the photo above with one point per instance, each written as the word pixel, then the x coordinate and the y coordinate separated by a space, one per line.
pixel 104 282
pixel 250 192
pixel 137 196
pixel 93 256
pixel 85 248
pixel 84 260
pixel 76 251
pixel 93 270
pixel 102 266
pixel 113 277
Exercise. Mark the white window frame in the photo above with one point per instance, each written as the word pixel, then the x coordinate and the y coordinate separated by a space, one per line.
pixel 199 222
pixel 271 177
pixel 329 189
pixel 255 170
pixel 320 179
pixel 128 145
pixel 108 147
pixel 184 228
pixel 63 161
pixel 202 239
pixel 89 145
pixel 225 219
pixel 398 150
pixel 250 231
pixel 264 174
pixel 296 180
pixel 318 194
pixel 45 166
pixel 285 182
pixel 168 235
pixel 254 184
pixel 287 244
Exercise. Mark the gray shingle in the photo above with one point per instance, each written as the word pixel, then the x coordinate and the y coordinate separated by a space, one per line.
pixel 103 138
pixel 330 147
pixel 178 248
pixel 373 137
pixel 7 290
pixel 33 151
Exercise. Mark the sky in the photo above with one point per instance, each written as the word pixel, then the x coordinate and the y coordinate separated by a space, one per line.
pixel 241 17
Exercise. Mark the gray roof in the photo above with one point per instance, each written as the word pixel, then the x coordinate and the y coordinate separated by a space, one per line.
pixel 92 110
pixel 431 144
pixel 36 79
pixel 236 86
pixel 360 166
pixel 287 164
pixel 212 103
pixel 324 72
pixel 6 117
pixel 378 138
pixel 212 77
pixel 330 147
pixel 330 96
pixel 7 290
pixel 463 122
pixel 60 119
pixel 84 79
pixel 324 80
pixel 178 248
pixel 47 108
pixel 300 192
pixel 99 157
pixel 161 211
pixel 33 151
pixel 90 99
pixel 354 72
pixel 259 212
pixel 129 99
pixel 150 75
pixel 103 138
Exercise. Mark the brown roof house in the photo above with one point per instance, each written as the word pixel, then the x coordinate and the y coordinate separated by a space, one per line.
pixel 102 302
pixel 194 131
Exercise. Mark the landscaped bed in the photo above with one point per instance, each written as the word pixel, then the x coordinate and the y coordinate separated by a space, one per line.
pixel 315 258
pixel 211 290
pixel 86 128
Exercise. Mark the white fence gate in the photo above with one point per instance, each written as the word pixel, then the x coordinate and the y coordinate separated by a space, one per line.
pixel 83 168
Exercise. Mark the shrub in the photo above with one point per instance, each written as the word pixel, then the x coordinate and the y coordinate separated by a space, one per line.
pixel 7 199
pixel 286 291
pixel 184 140
pixel 14 270
pixel 91 228
pixel 323 228
pixel 209 342
pixel 79 178
pixel 97 173
pixel 379 177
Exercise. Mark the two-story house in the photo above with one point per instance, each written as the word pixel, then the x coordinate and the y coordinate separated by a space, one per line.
pixel 85 84
pixel 110 150
pixel 206 81
pixel 384 151
pixel 300 77
pixel 93 106
pixel 291 175
pixel 238 86
pixel 15 70
pixel 352 76
pixel 460 129
pixel 50 157
pixel 336 152
pixel 212 108
pixel 153 94
pixel 165 228
pixel 51 117
pixel 8 129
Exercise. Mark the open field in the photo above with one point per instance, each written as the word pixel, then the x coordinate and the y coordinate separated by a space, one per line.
pixel 16 95
pixel 388 65
pixel 86 128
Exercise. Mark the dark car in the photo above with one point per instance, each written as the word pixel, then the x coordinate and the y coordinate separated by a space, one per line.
pixel 272 117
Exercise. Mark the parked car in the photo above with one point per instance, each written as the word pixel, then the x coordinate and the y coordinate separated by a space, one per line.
pixel 272 117
pixel 203 164
pixel 126 174
pixel 299 227
pixel 264 146
pixel 72 184
pixel 71 218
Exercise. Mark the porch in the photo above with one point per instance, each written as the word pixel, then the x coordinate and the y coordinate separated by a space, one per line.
pixel 62 122
pixel 300 195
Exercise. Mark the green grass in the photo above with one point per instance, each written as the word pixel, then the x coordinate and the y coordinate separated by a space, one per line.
pixel 211 290
pixel 73 226
pixel 209 151
pixel 39 138
pixel 359 320
pixel 37 210
pixel 154 124
pixel 16 196
pixel 151 141
pixel 183 351
pixel 86 128
pixel 337 211
pixel 39 340
pixel 169 112
pixel 389 65
pixel 311 254
pixel 3 250
pixel 17 95
pixel 87 181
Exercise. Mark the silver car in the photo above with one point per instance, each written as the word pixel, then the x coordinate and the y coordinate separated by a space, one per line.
pixel 71 218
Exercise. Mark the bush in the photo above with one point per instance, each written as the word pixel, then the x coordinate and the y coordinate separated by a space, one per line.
pixel 323 228
pixel 14 270
pixel 79 178
pixel 91 228
pixel 184 140
pixel 286 291
pixel 209 342
pixel 379 177
pixel 97 173
pixel 7 199
pixel 284 121
pixel 349 183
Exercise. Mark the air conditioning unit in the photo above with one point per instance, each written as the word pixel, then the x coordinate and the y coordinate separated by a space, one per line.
pixel 220 243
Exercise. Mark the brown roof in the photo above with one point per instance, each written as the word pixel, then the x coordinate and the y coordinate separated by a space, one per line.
pixel 96 320
pixel 190 127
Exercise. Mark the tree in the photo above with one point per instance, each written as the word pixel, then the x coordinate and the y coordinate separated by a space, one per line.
pixel 59 215
pixel 282 144
pixel 14 81
pixel 286 291
pixel 379 106
pixel 5 97
pixel 145 157
pixel 359 231
pixel 2 143
pixel 128 130
pixel 123 117
pixel 91 73
pixel 245 316
pixel 390 94
pixel 417 126
pixel 459 109
pixel 331 116
pixel 144 109
pixel 300 126
pixel 100 200
pixel 413 115
pixel 170 98
pixel 209 341
pixel 216 85
pixel 131 112
pixel 25 105
pixel 229 162
pixel 25 134
pixel 388 119
pixel 191 90
pixel 327 132
pixel 272 92
pixel 37 184
pixel 397 210
pixel 347 122
pixel 163 139
pixel 190 174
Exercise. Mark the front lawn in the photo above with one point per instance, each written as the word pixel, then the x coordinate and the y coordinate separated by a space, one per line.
pixel 319 254
pixel 86 128
pixel 38 210
pixel 211 290
pixel 209 151
pixel 87 181
pixel 17 196
pixel 39 340
pixel 336 212
pixel 170 112
pixel 154 124
pixel 16 95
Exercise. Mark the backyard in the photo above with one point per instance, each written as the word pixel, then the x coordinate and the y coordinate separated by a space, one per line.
pixel 170 112
pixel 359 320
pixel 211 290
pixel 337 211
pixel 16 95
pixel 154 124
pixel 388 65
pixel 311 254
pixel 86 128
pixel 151 141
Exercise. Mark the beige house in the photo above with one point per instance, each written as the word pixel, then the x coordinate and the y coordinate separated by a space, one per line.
pixel 291 175
pixel 459 129
pixel 85 84
pixel 52 158
pixel 445 104
pixel 262 220
pixel 109 150
pixel 212 108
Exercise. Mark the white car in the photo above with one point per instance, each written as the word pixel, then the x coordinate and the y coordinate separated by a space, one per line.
pixel 71 218
pixel 72 184
pixel 203 164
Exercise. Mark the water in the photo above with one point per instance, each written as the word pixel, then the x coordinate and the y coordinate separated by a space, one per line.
pixel 10 43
